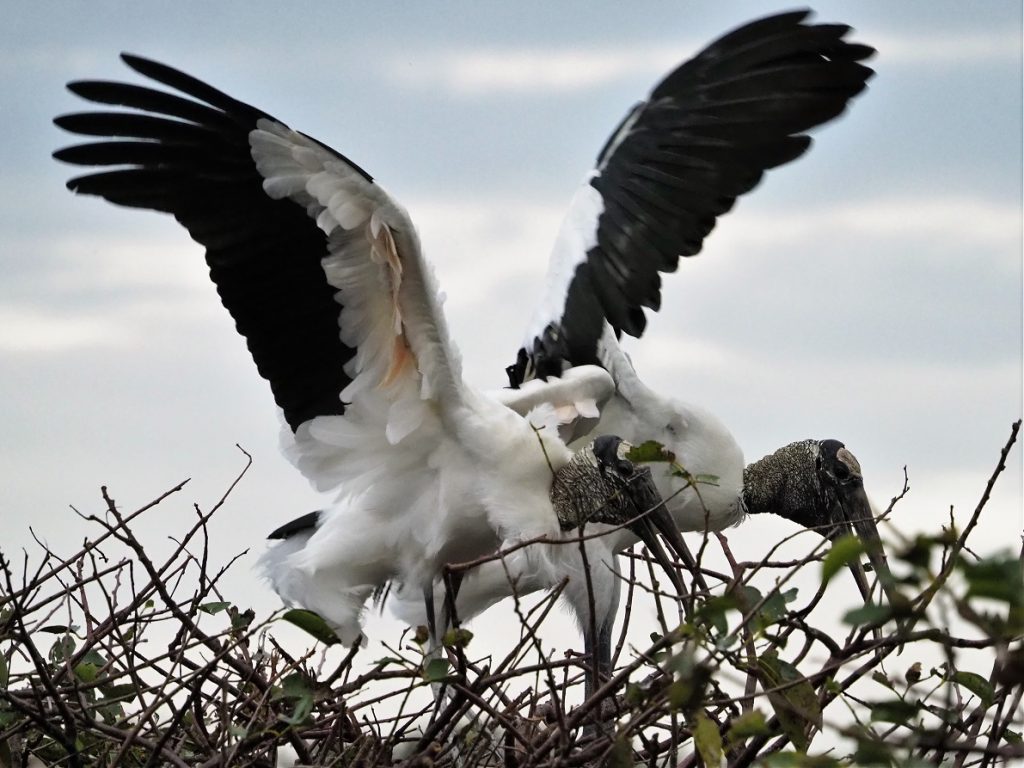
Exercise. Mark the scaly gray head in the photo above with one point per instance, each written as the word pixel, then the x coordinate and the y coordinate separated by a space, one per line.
pixel 600 485
pixel 818 484
pixel 804 482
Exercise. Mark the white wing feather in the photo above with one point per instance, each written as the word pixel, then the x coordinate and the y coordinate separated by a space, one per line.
pixel 428 471
pixel 390 315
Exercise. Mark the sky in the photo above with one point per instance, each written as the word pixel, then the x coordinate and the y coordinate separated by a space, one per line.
pixel 870 292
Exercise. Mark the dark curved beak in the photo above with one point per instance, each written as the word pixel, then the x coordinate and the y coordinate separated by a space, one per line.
pixel 654 524
pixel 853 513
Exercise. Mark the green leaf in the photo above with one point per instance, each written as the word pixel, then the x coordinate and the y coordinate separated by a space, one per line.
pixel 882 679
pixel 92 656
pixel 620 755
pixel 86 672
pixel 58 629
pixel 436 670
pixel 214 608
pixel 5 673
pixel 752 723
pixel 457 638
pixel 713 612
pixel 918 553
pixel 111 713
pixel 782 760
pixel 774 608
pixel 649 451
pixel 746 597
pixel 869 613
pixel 312 624
pixel 895 711
pixel 1013 737
pixel 7 717
pixel 635 695
pixel 691 680
pixel 89 666
pixel 977 685
pixel 799 760
pixel 125 691
pixel 996 578
pixel 796 705
pixel 707 739
pixel 292 686
pixel 295 687
pixel 300 712
pixel 845 550
pixel 241 619
pixel 871 751
pixel 704 479
pixel 62 649
pixel 913 673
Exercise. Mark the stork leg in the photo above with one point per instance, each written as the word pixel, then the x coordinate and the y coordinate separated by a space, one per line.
pixel 599 671
pixel 449 618
pixel 435 649
pixel 452 583
pixel 428 605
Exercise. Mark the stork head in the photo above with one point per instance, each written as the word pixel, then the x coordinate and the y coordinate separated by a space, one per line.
pixel 818 484
pixel 600 485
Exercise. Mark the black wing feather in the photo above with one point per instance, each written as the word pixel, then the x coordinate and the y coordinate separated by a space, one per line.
pixel 706 135
pixel 190 157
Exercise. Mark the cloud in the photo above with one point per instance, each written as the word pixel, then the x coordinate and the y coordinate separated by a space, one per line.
pixel 474 72
pixel 491 253
pixel 33 330
pixel 50 59
pixel 96 291
pixel 951 222
pixel 516 70
pixel 484 242
pixel 949 49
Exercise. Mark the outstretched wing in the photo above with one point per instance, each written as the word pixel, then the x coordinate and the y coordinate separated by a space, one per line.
pixel 319 268
pixel 706 135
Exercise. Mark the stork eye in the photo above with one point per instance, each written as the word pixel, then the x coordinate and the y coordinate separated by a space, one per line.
pixel 842 471
pixel 626 468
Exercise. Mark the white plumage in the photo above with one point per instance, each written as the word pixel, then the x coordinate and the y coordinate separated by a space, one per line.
pixel 705 135
pixel 314 259
pixel 323 274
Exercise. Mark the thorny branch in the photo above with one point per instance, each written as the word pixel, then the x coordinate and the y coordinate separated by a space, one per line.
pixel 112 657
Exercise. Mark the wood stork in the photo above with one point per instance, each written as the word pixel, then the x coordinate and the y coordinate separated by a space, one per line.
pixel 322 272
pixel 705 135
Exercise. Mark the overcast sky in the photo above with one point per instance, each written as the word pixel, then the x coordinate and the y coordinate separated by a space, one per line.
pixel 871 292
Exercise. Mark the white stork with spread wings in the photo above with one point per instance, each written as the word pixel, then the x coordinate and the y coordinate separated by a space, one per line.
pixel 322 272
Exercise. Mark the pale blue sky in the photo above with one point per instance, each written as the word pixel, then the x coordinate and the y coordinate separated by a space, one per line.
pixel 871 292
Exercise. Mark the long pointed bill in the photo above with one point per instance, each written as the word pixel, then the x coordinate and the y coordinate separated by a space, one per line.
pixel 854 510
pixel 655 521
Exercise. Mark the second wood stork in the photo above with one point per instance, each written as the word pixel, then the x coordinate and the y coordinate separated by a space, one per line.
pixel 322 272
pixel 706 135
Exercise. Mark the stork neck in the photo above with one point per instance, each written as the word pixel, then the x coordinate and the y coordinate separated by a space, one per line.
pixel 786 483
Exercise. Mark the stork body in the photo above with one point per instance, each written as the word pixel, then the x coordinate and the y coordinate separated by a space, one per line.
pixel 705 136
pixel 322 272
